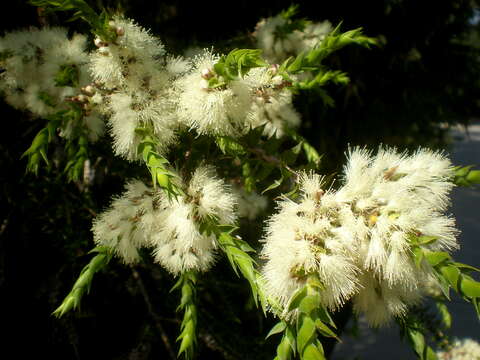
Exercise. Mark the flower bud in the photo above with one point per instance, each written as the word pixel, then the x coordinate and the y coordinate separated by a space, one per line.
pixel 88 90
pixel 120 31
pixel 273 69
pixel 207 74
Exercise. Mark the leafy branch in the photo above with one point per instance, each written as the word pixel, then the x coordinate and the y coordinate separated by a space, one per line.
pixel 157 164
pixel 98 23
pixel 412 329
pixel 237 251
pixel 311 61
pixel 238 62
pixel 84 281
pixel 451 274
pixel 188 329
pixel 311 320
pixel 465 176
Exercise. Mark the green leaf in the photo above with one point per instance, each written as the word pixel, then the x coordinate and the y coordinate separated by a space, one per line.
pixel 473 177
pixel 418 255
pixel 464 176
pixel 469 287
pixel 67 76
pixel 284 349
pixel 188 328
pixel 312 352
pixel 305 332
pixel 229 145
pixel 297 298
pixel 436 257
pixel 238 62
pixel 445 314
pixel 425 240
pixel 274 185
pixel 417 340
pixel 451 274
pixel 309 303
pixel 465 267
pixel 278 328
pixel 83 283
pixel 325 330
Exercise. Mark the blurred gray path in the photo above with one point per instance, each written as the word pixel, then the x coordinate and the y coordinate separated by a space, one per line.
pixel 386 343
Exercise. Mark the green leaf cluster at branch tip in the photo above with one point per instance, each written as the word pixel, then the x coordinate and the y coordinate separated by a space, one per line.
pixel 311 320
pixel 98 23
pixel 411 329
pixel 465 176
pixel 237 63
pixel 157 164
pixel 188 330
pixel 449 273
pixel 84 281
pixel 311 61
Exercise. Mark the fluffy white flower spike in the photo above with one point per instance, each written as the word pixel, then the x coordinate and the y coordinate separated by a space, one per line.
pixel 144 217
pixel 359 239
pixel 466 349
pixel 304 238
pixel 398 197
pixel 135 76
pixel 179 245
pixel 127 224
pixel 217 111
pixel 43 69
pixel 272 102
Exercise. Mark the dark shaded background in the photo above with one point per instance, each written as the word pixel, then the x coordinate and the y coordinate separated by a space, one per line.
pixel 425 74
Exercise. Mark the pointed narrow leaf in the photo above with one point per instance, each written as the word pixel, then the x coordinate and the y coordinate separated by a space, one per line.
pixel 278 328
pixel 469 287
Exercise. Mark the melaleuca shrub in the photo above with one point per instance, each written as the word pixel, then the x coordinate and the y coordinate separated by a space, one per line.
pixel 217 140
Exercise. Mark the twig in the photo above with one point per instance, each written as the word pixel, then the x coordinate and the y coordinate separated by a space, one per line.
pixel 212 344
pixel 155 317
pixel 260 153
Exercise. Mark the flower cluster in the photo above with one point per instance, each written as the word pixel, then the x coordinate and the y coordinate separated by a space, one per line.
pixel 359 239
pixel 45 70
pixel 145 217
pixel 133 73
pixel 234 107
pixel 466 349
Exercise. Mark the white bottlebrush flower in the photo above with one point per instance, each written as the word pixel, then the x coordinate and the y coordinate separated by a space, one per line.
pixel 127 224
pixel 138 78
pixel 314 33
pixel 179 245
pixel 34 61
pixel 33 58
pixel 272 102
pixel 216 111
pixel 300 241
pixel 368 228
pixel 212 196
pixel 379 302
pixel 398 197
pixel 123 123
pixel 466 349
pixel 128 61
